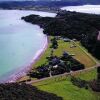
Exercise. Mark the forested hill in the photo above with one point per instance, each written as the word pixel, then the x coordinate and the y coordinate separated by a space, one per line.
pixel 84 27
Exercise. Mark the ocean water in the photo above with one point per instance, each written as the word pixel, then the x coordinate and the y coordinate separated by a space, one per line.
pixel 94 9
pixel 19 41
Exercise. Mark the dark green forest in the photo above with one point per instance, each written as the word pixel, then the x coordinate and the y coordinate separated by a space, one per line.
pixel 22 91
pixel 81 26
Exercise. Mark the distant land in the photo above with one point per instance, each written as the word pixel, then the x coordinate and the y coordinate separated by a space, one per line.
pixel 43 4
pixel 71 1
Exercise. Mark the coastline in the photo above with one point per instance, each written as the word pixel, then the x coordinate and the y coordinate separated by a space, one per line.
pixel 23 71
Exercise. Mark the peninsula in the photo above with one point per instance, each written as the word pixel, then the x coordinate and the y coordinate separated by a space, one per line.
pixel 83 27
pixel 68 65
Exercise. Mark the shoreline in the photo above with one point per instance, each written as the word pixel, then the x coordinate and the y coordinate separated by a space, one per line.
pixel 23 71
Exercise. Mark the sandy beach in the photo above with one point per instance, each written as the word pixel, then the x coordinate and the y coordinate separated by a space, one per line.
pixel 22 72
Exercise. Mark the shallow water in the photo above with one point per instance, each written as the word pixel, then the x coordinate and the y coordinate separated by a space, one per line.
pixel 19 41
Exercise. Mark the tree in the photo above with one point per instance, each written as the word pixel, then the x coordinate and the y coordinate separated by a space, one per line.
pixel 65 55
pixel 68 65
pixel 95 84
pixel 98 77
pixel 22 91
pixel 54 43
pixel 52 51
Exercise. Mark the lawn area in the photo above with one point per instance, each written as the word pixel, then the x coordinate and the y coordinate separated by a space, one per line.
pixel 43 59
pixel 80 55
pixel 63 87
pixel 89 75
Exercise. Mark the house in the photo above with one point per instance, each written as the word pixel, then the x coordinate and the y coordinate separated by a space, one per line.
pixel 74 39
pixel 66 39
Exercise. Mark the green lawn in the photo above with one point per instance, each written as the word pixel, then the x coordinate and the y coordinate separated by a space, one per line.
pixel 43 59
pixel 63 87
pixel 65 46
pixel 67 91
pixel 80 55
pixel 90 75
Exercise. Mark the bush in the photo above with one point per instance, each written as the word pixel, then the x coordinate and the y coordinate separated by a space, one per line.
pixel 77 67
pixel 95 85
pixel 79 83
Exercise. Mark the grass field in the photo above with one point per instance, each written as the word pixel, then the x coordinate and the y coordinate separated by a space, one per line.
pixel 63 87
pixel 80 55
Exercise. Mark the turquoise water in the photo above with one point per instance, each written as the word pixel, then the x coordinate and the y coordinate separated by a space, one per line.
pixel 19 41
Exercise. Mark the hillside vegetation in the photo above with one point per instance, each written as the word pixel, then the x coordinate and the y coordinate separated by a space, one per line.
pixel 16 91
pixel 83 27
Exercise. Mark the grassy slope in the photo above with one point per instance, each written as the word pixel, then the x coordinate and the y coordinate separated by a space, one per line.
pixel 67 91
pixel 64 88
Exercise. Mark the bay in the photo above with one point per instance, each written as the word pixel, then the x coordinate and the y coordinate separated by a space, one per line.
pixel 19 41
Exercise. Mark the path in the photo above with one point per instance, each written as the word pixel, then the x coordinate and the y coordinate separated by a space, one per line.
pixel 73 72
pixel 86 52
